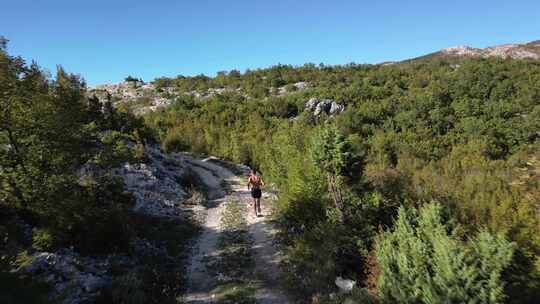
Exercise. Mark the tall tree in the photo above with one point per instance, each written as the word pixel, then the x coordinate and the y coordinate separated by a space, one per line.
pixel 332 154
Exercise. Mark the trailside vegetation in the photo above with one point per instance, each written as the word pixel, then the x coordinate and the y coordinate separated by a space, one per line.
pixel 58 147
pixel 443 146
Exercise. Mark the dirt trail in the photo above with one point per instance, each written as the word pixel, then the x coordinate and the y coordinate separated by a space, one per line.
pixel 267 258
pixel 200 282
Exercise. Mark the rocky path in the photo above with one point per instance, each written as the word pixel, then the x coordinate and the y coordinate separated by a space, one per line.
pixel 267 258
pixel 201 282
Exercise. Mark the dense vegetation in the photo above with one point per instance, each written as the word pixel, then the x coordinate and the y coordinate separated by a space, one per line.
pixel 57 146
pixel 49 130
pixel 455 141
pixel 425 189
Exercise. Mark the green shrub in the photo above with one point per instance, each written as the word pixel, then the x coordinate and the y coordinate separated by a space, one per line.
pixel 423 260
pixel 174 142
pixel 115 150
pixel 94 217
pixel 311 261
pixel 43 240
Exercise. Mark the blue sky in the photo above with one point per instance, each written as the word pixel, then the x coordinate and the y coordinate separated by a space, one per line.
pixel 104 41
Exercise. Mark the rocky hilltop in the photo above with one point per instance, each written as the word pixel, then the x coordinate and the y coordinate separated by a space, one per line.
pixel 529 50
pixel 142 97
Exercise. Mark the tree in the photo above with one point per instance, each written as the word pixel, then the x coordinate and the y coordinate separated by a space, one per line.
pixel 94 109
pixel 423 260
pixel 332 154
pixel 46 129
pixel 130 78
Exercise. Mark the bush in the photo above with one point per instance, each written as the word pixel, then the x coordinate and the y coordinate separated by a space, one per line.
pixel 95 217
pixel 423 260
pixel 311 261
pixel 43 240
pixel 115 150
pixel 174 142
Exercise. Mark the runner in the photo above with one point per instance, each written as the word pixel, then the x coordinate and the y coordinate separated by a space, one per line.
pixel 255 183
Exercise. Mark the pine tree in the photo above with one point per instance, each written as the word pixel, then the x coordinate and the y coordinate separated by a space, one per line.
pixel 423 260
pixel 331 153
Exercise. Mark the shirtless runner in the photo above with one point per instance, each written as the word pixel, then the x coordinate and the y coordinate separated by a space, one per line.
pixel 255 183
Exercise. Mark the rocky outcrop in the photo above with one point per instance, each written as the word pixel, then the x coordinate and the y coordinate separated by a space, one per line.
pixel 514 51
pixel 143 97
pixel 319 106
pixel 75 279
pixel 156 184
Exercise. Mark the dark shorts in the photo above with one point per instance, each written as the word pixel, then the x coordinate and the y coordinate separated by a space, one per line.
pixel 256 192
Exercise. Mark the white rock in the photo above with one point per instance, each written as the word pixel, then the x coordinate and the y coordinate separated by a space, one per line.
pixel 336 108
pixel 345 285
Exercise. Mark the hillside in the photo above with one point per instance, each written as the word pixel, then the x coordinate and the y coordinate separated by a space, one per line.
pixel 412 182
pixel 142 97
pixel 411 144
pixel 529 50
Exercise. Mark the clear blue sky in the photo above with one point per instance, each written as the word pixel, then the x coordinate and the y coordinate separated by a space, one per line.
pixel 105 41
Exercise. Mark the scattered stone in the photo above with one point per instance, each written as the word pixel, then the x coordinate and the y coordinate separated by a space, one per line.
pixel 66 270
pixel 134 91
pixel 328 106
pixel 155 184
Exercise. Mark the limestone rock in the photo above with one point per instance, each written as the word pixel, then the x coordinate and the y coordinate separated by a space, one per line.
pixel 319 106
pixel 345 285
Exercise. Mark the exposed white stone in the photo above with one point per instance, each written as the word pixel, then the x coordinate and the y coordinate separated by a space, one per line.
pixel 328 106
pixel 155 184
pixel 345 285
pixel 65 269
pixel 515 51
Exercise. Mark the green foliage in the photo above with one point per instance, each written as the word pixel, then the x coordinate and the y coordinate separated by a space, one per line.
pixel 95 217
pixel 460 132
pixel 332 154
pixel 424 260
pixel 115 150
pixel 330 151
pixel 174 141
pixel 43 239
pixel 49 129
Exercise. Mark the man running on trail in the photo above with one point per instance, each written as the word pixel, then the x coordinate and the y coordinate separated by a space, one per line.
pixel 255 183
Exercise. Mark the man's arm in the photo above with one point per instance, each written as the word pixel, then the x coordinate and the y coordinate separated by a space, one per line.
pixel 249 183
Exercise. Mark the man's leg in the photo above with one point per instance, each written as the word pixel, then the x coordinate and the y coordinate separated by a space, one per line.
pixel 255 206
pixel 259 205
